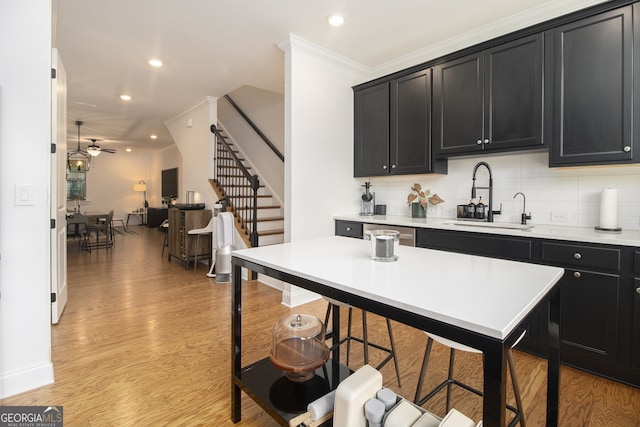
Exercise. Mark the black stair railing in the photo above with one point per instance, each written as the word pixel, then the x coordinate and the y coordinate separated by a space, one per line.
pixel 237 185
pixel 255 128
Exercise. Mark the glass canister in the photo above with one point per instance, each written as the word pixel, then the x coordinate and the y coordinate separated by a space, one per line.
pixel 299 346
pixel 384 245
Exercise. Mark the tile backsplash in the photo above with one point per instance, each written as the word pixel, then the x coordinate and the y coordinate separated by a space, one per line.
pixel 555 196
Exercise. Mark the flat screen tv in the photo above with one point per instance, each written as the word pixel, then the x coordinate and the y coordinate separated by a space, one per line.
pixel 170 182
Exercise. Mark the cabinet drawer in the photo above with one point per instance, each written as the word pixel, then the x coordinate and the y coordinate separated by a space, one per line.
pixel 581 256
pixel 503 247
pixel 349 229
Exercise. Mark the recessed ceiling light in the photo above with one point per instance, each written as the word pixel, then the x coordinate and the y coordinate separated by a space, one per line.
pixel 154 137
pixel 128 150
pixel 125 97
pixel 155 63
pixel 335 20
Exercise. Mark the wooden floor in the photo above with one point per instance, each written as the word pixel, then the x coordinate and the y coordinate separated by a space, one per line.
pixel 145 342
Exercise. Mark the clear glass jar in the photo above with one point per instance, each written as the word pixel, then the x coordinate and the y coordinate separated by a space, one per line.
pixel 299 346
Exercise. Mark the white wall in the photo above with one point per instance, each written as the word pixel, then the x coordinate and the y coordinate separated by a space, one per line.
pixel 191 133
pixel 266 111
pixel 318 142
pixel 25 137
pixel 110 184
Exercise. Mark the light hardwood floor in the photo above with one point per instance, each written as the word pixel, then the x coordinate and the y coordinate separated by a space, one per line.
pixel 145 342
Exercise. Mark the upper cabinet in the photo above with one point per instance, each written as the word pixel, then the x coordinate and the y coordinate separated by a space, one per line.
pixel 393 127
pixel 491 100
pixel 593 90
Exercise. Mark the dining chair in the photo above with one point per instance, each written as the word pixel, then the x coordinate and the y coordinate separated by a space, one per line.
pixel 103 232
pixel 518 412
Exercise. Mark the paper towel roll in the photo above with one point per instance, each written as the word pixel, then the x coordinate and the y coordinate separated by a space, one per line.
pixel 609 209
pixel 322 406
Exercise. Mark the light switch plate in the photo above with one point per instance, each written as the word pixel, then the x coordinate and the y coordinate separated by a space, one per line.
pixel 23 195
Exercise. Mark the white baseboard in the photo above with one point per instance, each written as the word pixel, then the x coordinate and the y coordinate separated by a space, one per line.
pixel 25 380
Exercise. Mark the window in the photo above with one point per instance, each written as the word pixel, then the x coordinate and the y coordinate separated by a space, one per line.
pixel 76 185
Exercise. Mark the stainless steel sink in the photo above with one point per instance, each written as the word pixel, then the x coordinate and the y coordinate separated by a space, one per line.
pixel 502 225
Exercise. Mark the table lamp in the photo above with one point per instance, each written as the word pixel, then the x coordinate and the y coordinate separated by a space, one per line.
pixel 142 186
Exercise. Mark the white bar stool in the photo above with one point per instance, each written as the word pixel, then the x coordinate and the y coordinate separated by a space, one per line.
pixel 207 230
pixel 518 412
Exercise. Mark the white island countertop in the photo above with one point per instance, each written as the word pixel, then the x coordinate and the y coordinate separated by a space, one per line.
pixel 483 295
pixel 553 232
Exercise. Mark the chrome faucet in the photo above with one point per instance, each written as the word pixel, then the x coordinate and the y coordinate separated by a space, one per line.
pixel 491 212
pixel 524 216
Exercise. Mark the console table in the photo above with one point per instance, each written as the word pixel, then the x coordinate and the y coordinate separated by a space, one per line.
pixel 477 301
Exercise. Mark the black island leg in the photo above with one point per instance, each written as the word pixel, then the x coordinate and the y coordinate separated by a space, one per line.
pixel 553 364
pixel 236 341
pixel 495 376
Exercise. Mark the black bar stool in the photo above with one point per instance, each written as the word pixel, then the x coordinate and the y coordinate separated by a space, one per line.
pixel 365 339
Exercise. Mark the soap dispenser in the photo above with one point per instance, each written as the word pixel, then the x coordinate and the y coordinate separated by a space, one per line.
pixel 480 209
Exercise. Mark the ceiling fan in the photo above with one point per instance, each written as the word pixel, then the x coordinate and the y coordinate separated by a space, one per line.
pixel 95 150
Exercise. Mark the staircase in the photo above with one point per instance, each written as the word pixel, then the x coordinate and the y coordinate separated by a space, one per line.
pixel 259 220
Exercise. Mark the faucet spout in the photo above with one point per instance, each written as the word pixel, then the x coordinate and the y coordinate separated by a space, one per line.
pixel 491 212
pixel 524 216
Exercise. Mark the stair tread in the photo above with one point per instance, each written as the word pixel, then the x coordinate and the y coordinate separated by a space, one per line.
pixel 271 218
pixel 258 207
pixel 270 232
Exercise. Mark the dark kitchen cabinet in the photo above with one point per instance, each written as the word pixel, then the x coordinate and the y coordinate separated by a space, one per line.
pixel 491 100
pixel 371 131
pixel 593 90
pixel 635 322
pixel 392 127
pixel 348 229
pixel 590 301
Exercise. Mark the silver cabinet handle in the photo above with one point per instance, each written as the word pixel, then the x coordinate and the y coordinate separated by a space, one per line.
pixel 486 141
pixel 393 166
pixel 384 167
pixel 348 228
pixel 577 274
pixel 479 142
pixel 626 148
pixel 638 291
pixel 577 255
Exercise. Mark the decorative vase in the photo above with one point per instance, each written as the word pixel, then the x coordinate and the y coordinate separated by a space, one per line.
pixel 417 211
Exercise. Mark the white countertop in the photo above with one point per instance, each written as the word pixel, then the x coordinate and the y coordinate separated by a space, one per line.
pixel 484 295
pixel 555 232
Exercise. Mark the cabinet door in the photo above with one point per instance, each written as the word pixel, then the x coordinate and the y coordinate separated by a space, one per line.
pixel 513 94
pixel 635 328
pixel 371 131
pixel 410 137
pixel 592 90
pixel 458 103
pixel 589 325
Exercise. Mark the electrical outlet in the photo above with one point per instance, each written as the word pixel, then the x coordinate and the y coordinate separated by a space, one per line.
pixel 563 217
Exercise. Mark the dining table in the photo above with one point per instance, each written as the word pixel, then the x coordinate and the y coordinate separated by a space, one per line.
pixel 477 301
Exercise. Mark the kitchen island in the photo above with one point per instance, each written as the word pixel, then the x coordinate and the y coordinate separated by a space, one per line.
pixel 477 301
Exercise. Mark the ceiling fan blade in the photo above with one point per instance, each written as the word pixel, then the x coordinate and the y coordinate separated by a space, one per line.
pixel 108 150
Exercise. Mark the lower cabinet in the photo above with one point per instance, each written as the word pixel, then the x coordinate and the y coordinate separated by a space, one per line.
pixel 590 301
pixel 635 323
pixel 155 216
pixel 600 297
